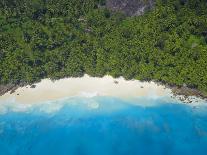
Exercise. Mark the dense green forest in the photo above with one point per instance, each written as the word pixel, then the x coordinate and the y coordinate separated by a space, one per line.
pixel 61 38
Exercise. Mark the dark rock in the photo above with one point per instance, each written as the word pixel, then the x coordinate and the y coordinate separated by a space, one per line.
pixel 12 91
pixel 116 82
pixel 130 7
pixel 33 86
pixel 5 88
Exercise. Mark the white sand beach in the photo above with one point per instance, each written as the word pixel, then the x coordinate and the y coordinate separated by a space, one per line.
pixel 85 86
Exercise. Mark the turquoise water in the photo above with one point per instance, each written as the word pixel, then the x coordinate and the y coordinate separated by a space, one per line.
pixel 104 126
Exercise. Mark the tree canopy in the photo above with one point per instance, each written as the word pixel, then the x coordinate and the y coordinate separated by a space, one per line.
pixel 61 38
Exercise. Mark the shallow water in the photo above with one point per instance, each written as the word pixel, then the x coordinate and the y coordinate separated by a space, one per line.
pixel 104 126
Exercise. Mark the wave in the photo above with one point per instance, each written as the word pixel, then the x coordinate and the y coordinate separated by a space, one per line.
pixel 88 101
pixel 89 94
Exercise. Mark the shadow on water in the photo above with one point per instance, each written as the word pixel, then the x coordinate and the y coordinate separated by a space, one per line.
pixel 105 126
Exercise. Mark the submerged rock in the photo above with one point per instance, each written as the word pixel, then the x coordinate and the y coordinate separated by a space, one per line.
pixel 130 7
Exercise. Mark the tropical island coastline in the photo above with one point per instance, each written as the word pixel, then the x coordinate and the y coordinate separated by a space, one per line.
pixel 147 40
pixel 103 77
pixel 86 86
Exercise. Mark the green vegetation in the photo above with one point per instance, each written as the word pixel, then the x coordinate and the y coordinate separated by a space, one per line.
pixel 59 38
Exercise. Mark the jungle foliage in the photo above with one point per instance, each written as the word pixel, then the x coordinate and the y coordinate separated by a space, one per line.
pixel 62 38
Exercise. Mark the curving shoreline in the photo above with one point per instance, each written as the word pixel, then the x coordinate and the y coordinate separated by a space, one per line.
pixel 85 86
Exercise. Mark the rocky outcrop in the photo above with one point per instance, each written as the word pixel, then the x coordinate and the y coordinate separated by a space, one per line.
pixel 130 7
pixel 186 92
pixel 9 87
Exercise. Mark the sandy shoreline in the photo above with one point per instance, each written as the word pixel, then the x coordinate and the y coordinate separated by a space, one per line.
pixel 84 86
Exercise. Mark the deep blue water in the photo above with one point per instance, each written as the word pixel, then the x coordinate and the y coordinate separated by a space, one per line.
pixel 104 126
